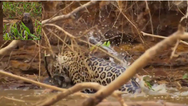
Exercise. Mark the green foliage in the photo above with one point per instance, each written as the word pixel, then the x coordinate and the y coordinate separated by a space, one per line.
pixel 12 9
pixel 38 26
pixel 6 36
pixel 147 80
pixel 20 34
pixel 185 76
pixel 93 47
pixel 16 10
pixel 107 44
pixel 4 28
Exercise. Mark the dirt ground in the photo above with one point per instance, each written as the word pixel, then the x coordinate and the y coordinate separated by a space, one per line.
pixel 25 62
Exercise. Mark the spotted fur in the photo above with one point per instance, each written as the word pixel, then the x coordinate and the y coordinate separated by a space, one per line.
pixel 80 68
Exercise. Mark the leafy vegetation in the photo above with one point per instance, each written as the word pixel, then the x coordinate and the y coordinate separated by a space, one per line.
pixel 147 81
pixel 20 34
pixel 185 76
pixel 13 10
pixel 107 44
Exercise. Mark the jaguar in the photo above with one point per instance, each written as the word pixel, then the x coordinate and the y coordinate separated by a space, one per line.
pixel 80 68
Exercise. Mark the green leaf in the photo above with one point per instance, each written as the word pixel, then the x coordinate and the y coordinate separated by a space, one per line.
pixel 104 44
pixel 26 35
pixel 108 44
pixel 149 86
pixel 93 47
pixel 4 28
pixel 185 76
pixel 26 28
pixel 147 80
pixel 7 37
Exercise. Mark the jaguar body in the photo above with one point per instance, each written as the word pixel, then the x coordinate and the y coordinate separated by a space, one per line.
pixel 80 68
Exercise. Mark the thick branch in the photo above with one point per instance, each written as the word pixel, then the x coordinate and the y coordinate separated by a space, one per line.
pixel 76 88
pixel 71 13
pixel 10 47
pixel 34 82
pixel 131 71
pixel 30 81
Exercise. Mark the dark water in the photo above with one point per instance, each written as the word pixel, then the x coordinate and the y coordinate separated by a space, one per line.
pixel 30 97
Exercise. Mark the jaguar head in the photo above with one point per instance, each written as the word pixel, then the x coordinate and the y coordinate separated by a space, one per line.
pixel 62 60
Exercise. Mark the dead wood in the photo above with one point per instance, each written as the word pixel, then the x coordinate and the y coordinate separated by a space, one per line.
pixel 79 39
pixel 162 37
pixel 10 47
pixel 136 66
pixel 65 92
pixel 69 15
pixel 29 80
pixel 34 82
pixel 76 88
pixel 125 77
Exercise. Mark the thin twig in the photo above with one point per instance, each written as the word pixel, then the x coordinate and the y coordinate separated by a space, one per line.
pixel 48 42
pixel 3 44
pixel 132 70
pixel 150 17
pixel 61 29
pixel 78 38
pixel 35 82
pixel 174 49
pixel 138 31
pixel 60 11
pixel 13 99
pixel 61 17
pixel 39 60
pixel 162 37
pixel 38 44
pixel 30 81
pixel 60 39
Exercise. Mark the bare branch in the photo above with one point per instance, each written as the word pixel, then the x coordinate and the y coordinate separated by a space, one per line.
pixel 39 42
pixel 10 47
pixel 61 29
pixel 150 17
pixel 78 38
pixel 48 42
pixel 30 81
pixel 71 13
pixel 13 99
pixel 76 88
pixel 174 50
pixel 138 31
pixel 184 36
pixel 132 70
pixel 34 82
